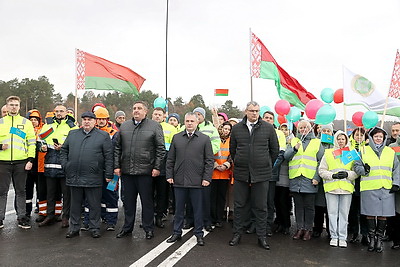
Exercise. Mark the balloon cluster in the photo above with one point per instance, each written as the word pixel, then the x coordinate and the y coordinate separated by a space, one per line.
pixel 286 113
pixel 159 102
pixel 368 119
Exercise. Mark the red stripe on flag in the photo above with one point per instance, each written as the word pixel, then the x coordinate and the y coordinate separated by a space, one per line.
pixel 221 91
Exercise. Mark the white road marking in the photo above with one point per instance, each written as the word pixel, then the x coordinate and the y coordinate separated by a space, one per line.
pixel 155 252
pixel 180 252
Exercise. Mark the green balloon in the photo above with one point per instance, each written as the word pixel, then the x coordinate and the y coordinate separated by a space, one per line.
pixel 159 102
pixel 327 95
pixel 370 119
pixel 264 109
pixel 294 114
pixel 325 115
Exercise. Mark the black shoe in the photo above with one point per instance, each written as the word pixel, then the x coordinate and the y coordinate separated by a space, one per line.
pixel 235 240
pixel 123 234
pixel 149 234
pixel 1 224
pixel 188 225
pixel 110 227
pixel 364 240
pixel 218 225
pixel 200 240
pixel 354 238
pixel 160 223
pixel 40 218
pixel 262 242
pixel 395 246
pixel 286 231
pixel 174 238
pixel 269 233
pixel 47 221
pixel 251 230
pixel 316 234
pixel 208 228
pixel 24 223
pixel 85 227
pixel 96 233
pixel 72 234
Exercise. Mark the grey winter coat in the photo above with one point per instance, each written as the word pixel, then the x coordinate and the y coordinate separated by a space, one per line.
pixel 87 158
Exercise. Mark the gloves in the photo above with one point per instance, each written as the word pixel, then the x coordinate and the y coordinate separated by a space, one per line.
pixel 342 174
pixel 367 168
pixel 335 176
pixel 394 189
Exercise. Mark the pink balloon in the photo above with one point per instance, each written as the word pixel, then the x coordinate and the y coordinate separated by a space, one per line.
pixel 357 118
pixel 282 107
pixel 312 108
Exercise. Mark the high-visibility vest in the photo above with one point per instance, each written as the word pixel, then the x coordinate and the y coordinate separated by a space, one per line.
pixel 380 174
pixel 281 139
pixel 18 133
pixel 169 132
pixel 335 166
pixel 220 158
pixel 304 162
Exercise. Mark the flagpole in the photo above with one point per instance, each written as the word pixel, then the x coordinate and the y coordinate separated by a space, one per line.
pixel 344 118
pixel 251 79
pixel 387 96
pixel 166 59
pixel 76 85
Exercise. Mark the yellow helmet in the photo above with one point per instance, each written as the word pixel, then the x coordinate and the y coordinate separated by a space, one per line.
pixel 102 113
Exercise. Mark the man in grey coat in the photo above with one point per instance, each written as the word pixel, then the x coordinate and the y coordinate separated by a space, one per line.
pixel 138 153
pixel 86 156
pixel 189 168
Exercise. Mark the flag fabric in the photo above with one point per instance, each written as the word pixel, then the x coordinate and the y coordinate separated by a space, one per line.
pixel 326 138
pixel 46 134
pixel 17 132
pixel 349 156
pixel 394 89
pixel 338 152
pixel 97 73
pixel 358 90
pixel 263 65
pixel 396 149
pixel 221 92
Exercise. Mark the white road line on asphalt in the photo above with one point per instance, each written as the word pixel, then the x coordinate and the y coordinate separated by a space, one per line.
pixel 10 212
pixel 178 254
pixel 155 252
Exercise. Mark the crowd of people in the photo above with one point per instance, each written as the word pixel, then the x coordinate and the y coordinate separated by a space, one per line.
pixel 203 172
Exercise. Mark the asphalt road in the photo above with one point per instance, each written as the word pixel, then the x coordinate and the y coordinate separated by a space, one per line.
pixel 47 246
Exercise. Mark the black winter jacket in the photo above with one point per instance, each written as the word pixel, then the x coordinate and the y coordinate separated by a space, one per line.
pixel 253 154
pixel 87 158
pixel 139 148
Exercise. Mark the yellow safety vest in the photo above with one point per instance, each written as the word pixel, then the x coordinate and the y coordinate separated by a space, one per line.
pixel 57 131
pixel 304 162
pixel 169 132
pixel 18 133
pixel 281 139
pixel 336 165
pixel 381 169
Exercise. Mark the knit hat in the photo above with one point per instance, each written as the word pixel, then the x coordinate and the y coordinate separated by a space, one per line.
pixel 327 126
pixel 119 113
pixel 175 115
pixel 223 115
pixel 234 119
pixel 200 110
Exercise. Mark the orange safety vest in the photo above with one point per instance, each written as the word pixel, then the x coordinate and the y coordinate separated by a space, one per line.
pixel 220 158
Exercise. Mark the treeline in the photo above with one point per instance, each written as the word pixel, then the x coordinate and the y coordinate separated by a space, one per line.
pixel 40 94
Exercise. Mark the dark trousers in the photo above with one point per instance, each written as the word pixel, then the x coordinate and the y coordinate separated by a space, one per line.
pixel 16 173
pixel 283 206
pixel 304 207
pixel 271 205
pixel 109 204
pixel 93 200
pixel 31 180
pixel 396 229
pixel 189 213
pixel 42 187
pixel 219 188
pixel 184 196
pixel 160 192
pixel 132 186
pixel 321 214
pixel 53 185
pixel 357 221
pixel 250 198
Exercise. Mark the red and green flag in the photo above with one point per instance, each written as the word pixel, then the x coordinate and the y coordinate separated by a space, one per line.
pixel 221 92
pixel 263 65
pixel 97 73
pixel 396 150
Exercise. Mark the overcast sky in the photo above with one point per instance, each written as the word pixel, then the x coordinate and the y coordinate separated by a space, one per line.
pixel 208 42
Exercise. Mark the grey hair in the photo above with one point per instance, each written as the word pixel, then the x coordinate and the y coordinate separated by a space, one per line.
pixel 191 114
pixel 251 103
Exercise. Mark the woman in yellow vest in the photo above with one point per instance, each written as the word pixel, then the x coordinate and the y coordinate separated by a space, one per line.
pixel 303 154
pixel 379 170
pixel 338 186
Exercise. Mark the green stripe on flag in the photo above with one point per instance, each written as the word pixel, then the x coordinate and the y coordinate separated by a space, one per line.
pixel 221 94
pixel 100 83
pixel 268 70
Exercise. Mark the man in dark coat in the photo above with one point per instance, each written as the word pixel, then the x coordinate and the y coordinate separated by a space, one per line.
pixel 86 156
pixel 138 153
pixel 254 148
pixel 189 167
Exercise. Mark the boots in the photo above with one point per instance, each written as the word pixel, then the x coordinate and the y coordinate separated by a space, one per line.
pixel 371 223
pixel 380 230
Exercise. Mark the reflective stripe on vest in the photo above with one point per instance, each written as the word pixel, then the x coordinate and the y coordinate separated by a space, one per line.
pixel 53 166
pixel 304 162
pixel 335 166
pixel 380 174
pixel 220 158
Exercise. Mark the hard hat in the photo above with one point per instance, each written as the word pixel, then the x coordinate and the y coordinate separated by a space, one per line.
pixel 102 113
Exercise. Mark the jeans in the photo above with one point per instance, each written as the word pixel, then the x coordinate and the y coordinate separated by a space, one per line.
pixel 304 208
pixel 338 211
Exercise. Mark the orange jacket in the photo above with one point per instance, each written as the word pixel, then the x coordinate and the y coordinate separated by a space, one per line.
pixel 39 155
pixel 221 158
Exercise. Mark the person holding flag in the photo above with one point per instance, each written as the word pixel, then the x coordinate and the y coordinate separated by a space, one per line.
pixel 379 170
pixel 338 179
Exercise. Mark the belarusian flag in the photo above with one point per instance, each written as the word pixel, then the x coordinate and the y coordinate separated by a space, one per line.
pixel 94 72
pixel 221 92
pixel 263 65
